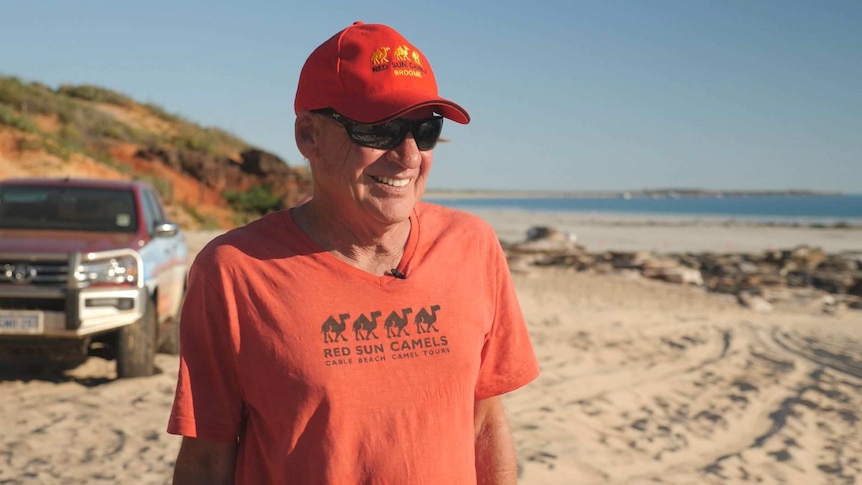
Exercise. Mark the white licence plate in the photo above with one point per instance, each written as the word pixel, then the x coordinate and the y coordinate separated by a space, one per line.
pixel 22 322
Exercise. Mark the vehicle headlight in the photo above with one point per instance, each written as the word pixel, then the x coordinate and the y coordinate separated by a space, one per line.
pixel 118 270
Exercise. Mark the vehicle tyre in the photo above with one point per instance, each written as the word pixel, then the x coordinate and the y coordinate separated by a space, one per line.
pixel 136 345
pixel 169 342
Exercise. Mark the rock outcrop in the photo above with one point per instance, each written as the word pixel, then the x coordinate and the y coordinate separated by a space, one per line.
pixel 806 275
pixel 252 168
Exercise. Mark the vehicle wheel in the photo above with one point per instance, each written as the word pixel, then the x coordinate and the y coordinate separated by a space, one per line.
pixel 136 346
pixel 169 341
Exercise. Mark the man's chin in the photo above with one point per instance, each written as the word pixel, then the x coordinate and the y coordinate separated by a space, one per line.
pixel 393 212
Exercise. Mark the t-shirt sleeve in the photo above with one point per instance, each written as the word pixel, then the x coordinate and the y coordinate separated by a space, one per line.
pixel 508 359
pixel 208 403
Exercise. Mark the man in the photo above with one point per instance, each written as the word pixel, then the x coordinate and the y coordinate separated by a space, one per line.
pixel 362 337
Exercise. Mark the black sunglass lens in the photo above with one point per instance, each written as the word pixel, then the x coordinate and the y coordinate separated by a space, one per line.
pixel 427 133
pixel 386 136
pixel 383 136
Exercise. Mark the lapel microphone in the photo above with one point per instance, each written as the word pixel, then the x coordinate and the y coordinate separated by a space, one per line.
pixel 398 274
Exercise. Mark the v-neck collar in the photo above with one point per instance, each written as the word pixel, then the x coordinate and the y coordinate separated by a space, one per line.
pixel 333 263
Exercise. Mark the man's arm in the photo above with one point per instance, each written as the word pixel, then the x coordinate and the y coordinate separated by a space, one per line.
pixel 205 462
pixel 496 463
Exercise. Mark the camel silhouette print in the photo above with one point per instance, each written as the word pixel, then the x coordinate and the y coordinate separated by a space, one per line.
pixel 363 323
pixel 334 327
pixel 393 320
pixel 423 317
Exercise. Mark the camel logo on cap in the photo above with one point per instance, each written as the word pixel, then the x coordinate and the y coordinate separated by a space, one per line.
pixel 380 56
pixel 404 61
pixel 402 53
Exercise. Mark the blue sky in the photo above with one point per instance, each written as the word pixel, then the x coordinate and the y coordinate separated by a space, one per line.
pixel 564 95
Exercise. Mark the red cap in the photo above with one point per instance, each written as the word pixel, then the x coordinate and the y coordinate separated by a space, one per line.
pixel 370 73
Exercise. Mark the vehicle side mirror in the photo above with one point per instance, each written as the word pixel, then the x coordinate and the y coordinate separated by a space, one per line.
pixel 166 229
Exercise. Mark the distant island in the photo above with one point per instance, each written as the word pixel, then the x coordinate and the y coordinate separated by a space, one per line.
pixel 624 194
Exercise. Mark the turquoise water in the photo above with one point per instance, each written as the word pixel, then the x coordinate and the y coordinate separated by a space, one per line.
pixel 847 208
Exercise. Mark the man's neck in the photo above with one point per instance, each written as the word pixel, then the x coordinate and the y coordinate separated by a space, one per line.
pixel 374 248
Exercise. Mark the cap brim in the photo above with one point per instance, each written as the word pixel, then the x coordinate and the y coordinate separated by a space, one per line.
pixel 390 105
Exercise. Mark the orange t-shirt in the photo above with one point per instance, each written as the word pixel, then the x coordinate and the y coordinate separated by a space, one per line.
pixel 327 374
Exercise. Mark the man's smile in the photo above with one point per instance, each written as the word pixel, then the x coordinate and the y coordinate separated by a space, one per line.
pixel 391 181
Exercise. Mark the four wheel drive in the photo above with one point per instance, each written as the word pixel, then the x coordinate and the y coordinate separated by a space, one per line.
pixel 88 267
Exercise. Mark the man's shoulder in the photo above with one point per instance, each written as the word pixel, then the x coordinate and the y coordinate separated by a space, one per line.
pixel 436 217
pixel 250 238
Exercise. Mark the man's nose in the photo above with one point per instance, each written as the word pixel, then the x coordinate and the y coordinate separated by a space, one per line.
pixel 407 153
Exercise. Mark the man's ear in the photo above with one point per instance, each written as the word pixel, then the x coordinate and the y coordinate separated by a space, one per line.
pixel 305 131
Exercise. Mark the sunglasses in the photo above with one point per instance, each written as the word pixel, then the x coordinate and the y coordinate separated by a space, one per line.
pixel 390 134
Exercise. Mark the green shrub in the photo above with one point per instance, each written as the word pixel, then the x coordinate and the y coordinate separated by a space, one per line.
pixel 82 122
pixel 106 159
pixel 88 126
pixel 211 141
pixel 193 140
pixel 91 124
pixel 59 148
pixel 96 94
pixel 164 187
pixel 160 112
pixel 26 144
pixel 191 136
pixel 258 200
pixel 224 139
pixel 206 222
pixel 28 98
pixel 10 118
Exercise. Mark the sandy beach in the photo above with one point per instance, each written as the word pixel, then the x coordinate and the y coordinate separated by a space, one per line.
pixel 643 382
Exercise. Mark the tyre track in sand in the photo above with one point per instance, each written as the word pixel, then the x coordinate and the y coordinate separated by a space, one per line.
pixel 715 394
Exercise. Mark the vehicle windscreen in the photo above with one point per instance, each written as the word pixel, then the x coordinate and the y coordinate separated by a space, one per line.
pixel 67 209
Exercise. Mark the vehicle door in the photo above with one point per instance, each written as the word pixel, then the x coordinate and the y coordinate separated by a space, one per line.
pixel 164 257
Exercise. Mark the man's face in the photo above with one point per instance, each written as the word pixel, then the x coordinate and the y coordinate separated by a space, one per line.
pixel 368 184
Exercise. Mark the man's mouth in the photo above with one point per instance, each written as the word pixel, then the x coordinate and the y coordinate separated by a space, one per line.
pixel 391 182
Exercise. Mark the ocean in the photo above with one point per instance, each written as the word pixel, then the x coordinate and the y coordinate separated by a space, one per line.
pixel 775 208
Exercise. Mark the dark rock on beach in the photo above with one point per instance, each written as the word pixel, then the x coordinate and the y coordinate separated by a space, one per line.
pixel 803 274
